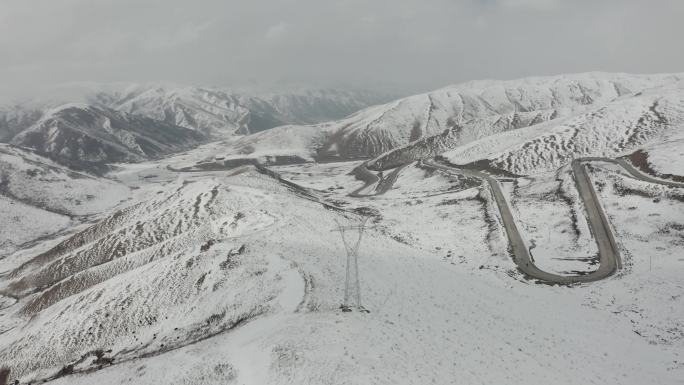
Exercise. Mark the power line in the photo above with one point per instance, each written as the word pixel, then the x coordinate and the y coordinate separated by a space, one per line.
pixel 352 286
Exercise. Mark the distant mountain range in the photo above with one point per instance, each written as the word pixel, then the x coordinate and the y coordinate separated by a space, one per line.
pixel 105 124
pixel 201 267
pixel 131 123
pixel 429 124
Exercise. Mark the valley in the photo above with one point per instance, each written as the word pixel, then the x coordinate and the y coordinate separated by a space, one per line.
pixel 528 230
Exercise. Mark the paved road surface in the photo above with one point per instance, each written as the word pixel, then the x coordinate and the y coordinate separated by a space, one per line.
pixel 384 185
pixel 636 173
pixel 609 255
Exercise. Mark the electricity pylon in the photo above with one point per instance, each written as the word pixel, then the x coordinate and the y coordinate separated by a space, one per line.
pixel 352 287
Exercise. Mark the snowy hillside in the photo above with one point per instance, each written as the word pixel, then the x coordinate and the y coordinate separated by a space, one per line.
pixel 222 113
pixel 428 124
pixel 85 136
pixel 39 197
pixel 543 244
pixel 614 129
pixel 15 118
pixel 90 125
pixel 214 111
pixel 233 276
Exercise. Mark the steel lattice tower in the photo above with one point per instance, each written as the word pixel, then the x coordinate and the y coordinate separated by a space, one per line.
pixel 352 286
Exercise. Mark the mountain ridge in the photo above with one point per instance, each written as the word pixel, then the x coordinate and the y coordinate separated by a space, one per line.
pixel 85 136
pixel 451 116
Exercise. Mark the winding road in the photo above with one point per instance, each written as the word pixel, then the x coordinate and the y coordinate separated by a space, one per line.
pixel 369 178
pixel 609 254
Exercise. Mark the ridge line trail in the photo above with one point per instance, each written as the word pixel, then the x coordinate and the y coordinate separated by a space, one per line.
pixel 246 353
pixel 246 350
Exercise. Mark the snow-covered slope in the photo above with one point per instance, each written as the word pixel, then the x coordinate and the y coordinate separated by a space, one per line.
pixel 220 113
pixel 428 124
pixel 203 256
pixel 39 197
pixel 234 277
pixel 85 136
pixel 16 117
pixel 617 128
pixel 86 126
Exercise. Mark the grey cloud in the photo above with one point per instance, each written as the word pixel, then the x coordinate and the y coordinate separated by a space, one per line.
pixel 414 44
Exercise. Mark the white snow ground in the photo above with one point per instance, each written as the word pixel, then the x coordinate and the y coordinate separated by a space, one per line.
pixel 435 317
pixel 231 276
pixel 39 197
pixel 550 216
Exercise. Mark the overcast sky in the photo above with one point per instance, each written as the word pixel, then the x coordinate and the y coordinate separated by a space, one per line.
pixel 412 44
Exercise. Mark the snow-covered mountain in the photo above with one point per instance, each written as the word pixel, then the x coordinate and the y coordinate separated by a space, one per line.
pixel 220 113
pixel 620 127
pixel 428 124
pixel 200 267
pixel 214 111
pixel 236 277
pixel 15 118
pixel 85 136
pixel 39 197
pixel 84 125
